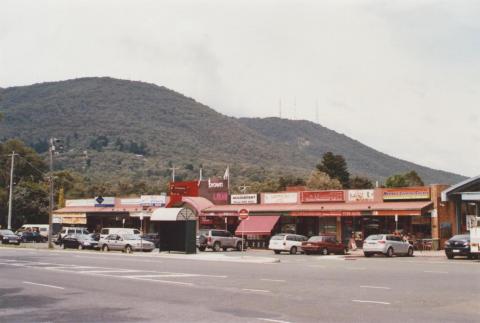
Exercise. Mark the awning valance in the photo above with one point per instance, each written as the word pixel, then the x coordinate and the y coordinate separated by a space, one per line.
pixel 172 214
pixel 257 225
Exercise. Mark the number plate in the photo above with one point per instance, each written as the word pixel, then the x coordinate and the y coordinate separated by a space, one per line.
pixel 456 250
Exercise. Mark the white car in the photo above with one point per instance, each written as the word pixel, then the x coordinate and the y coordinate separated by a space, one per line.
pixel 286 242
pixel 126 243
pixel 386 244
pixel 122 231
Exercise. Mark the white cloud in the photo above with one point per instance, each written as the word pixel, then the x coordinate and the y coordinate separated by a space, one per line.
pixel 400 76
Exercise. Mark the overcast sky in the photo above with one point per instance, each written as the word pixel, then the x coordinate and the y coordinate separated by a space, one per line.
pixel 400 76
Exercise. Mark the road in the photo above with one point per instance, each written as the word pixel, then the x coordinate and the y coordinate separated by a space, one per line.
pixel 79 286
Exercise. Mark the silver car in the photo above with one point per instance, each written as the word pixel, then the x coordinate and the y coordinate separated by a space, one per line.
pixel 126 243
pixel 217 239
pixel 386 244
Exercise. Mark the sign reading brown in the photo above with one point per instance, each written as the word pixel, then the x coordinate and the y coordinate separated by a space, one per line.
pixel 322 196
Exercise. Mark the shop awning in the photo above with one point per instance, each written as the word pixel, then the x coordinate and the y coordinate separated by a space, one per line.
pixel 257 225
pixel 172 214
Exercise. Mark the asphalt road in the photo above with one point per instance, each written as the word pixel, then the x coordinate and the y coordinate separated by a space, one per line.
pixel 79 286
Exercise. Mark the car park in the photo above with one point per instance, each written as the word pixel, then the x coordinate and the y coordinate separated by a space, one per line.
pixel 217 239
pixel 126 243
pixel 79 241
pixel 28 236
pixel 289 242
pixel 387 245
pixel 458 245
pixel 8 237
pixel 323 244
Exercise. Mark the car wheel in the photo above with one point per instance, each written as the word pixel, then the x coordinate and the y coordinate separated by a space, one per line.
pixel 410 252
pixel 389 252
pixel 293 250
pixel 224 249
pixel 201 248
pixel 277 252
pixel 105 248
pixel 325 251
pixel 367 254
pixel 128 249
pixel 239 246
pixel 449 255
pixel 80 247
pixel 216 246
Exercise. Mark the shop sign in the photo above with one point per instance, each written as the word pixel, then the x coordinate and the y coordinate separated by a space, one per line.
pixel 80 202
pixel 471 196
pixel 214 184
pixel 189 188
pixel 280 198
pixel 407 194
pixel 244 199
pixel 56 219
pixel 322 196
pixel 220 196
pixel 130 201
pixel 153 200
pixel 360 195
pixel 101 201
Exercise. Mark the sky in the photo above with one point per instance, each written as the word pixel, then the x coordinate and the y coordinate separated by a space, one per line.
pixel 402 77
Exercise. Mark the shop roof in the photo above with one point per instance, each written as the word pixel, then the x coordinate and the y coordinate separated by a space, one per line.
pixel 117 208
pixel 468 185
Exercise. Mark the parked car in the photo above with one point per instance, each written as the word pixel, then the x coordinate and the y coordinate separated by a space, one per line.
pixel 217 239
pixel 28 236
pixel 386 244
pixel 458 245
pixel 71 231
pixel 40 228
pixel 286 242
pixel 7 236
pixel 78 241
pixel 324 244
pixel 153 238
pixel 122 231
pixel 126 243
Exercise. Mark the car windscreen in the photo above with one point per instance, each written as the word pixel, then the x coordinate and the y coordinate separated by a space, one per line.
pixel 375 237
pixel 460 237
pixel 203 232
pixel 6 232
pixel 315 239
pixel 278 237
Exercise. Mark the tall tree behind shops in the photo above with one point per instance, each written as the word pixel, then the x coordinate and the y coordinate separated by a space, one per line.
pixel 360 182
pixel 404 180
pixel 321 181
pixel 335 167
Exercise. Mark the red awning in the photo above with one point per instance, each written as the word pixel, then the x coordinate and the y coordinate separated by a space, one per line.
pixel 257 225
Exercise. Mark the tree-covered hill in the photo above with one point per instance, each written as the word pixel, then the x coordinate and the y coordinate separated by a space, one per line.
pixel 124 129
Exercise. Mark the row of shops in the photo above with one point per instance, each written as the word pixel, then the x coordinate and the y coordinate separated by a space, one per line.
pixel 429 213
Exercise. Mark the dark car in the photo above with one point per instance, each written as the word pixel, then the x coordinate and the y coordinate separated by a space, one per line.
pixel 78 241
pixel 152 237
pixel 324 244
pixel 28 236
pixel 458 245
pixel 7 236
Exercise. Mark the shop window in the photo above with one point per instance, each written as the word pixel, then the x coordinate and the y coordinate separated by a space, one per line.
pixel 445 230
pixel 327 225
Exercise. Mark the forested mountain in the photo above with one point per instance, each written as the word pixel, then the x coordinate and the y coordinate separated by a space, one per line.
pixel 133 130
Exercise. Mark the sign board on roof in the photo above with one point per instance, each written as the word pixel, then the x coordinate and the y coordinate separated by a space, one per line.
pixel 322 196
pixel 153 200
pixel 280 198
pixel 101 201
pixel 130 201
pixel 243 199
pixel 413 193
pixel 80 202
pixel 360 195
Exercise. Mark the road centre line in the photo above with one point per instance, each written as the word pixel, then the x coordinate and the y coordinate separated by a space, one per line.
pixel 256 290
pixel 155 280
pixel 374 287
pixel 44 285
pixel 111 271
pixel 435 272
pixel 271 320
pixel 273 280
pixel 372 302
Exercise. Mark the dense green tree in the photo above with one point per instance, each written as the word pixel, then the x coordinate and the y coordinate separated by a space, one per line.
pixel 404 180
pixel 335 167
pixel 360 182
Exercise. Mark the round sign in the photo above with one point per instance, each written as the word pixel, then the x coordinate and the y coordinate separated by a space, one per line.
pixel 243 214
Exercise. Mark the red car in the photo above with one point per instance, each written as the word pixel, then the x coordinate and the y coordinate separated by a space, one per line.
pixel 324 245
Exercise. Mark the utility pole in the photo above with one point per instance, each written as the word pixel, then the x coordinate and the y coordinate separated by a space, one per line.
pixel 51 148
pixel 9 224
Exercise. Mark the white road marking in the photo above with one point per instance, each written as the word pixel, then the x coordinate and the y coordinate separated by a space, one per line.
pixel 372 302
pixel 357 268
pixel 435 272
pixel 273 280
pixel 109 271
pixel 44 285
pixel 316 266
pixel 158 281
pixel 272 320
pixel 256 290
pixel 375 287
